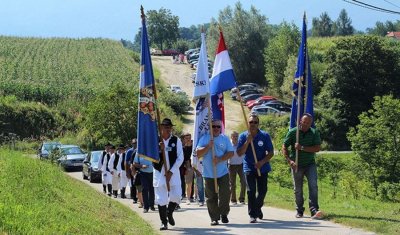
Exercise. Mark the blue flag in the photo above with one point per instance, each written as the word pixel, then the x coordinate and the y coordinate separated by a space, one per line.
pixel 303 77
pixel 147 136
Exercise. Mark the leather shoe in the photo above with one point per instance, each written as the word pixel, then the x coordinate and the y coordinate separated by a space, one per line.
pixel 224 219
pixel 164 227
pixel 260 216
pixel 214 222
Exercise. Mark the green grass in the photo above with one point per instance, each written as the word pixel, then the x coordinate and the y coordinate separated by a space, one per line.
pixel 364 213
pixel 38 198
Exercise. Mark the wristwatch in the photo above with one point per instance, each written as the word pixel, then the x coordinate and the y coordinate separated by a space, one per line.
pixel 302 148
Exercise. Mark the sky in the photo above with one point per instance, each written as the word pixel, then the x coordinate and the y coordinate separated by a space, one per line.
pixel 116 19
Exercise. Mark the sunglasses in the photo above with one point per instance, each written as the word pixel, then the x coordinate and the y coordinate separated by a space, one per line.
pixel 215 126
pixel 253 122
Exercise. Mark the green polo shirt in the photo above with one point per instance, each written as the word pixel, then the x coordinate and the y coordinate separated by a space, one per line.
pixel 309 138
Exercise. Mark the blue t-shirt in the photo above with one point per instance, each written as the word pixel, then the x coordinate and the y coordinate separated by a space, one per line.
pixel 129 155
pixel 262 143
pixel 222 145
pixel 143 161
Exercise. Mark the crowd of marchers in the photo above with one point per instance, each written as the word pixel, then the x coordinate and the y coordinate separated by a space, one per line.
pixel 206 173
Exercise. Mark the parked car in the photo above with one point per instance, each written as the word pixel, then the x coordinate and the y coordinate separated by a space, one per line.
pixel 46 148
pixel 250 97
pixel 175 88
pixel 170 52
pixel 265 110
pixel 248 92
pixel 90 163
pixel 250 104
pixel 280 105
pixel 71 157
pixel 251 84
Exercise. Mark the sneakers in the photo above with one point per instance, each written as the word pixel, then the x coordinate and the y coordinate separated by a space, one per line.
pixel 188 202
pixel 234 203
pixel 317 215
pixel 214 222
pixel 261 215
pixel 243 203
pixel 164 227
pixel 177 207
pixel 140 205
pixel 152 208
pixel 201 203
pixel 145 210
pixel 299 214
pixel 253 220
pixel 224 219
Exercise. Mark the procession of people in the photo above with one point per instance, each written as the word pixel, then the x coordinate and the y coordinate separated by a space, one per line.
pixel 212 170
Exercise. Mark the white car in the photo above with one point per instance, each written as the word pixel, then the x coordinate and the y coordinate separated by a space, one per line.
pixel 266 110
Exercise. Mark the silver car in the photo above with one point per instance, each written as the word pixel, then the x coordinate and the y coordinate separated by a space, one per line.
pixel 71 157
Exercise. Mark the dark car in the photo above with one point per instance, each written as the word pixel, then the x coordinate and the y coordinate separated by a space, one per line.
pixel 46 148
pixel 90 170
pixel 281 106
pixel 71 157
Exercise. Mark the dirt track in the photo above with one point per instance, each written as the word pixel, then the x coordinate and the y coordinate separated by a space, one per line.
pixel 180 74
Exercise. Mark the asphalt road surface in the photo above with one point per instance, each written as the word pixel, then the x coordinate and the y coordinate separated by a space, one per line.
pixel 193 219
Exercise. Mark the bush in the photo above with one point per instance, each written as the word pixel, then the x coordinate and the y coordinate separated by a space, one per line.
pixel 389 192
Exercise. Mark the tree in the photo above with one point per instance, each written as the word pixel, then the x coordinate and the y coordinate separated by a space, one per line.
pixel 112 116
pixel 359 68
pixel 343 25
pixel 277 53
pixel 376 141
pixel 322 27
pixel 162 27
pixel 246 35
pixel 381 29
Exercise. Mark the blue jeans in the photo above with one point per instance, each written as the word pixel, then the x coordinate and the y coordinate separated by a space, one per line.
pixel 310 172
pixel 200 186
pixel 259 184
pixel 147 189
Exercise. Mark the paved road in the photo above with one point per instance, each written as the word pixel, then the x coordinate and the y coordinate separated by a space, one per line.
pixel 192 219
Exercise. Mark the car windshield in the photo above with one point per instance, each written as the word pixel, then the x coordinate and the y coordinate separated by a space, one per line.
pixel 49 147
pixel 71 150
pixel 96 156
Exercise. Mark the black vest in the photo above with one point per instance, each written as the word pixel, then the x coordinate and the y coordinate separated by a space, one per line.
pixel 172 155
pixel 116 158
pixel 108 159
pixel 123 162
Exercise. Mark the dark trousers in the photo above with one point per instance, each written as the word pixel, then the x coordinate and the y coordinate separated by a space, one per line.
pixel 310 172
pixel 255 184
pixel 233 171
pixel 133 189
pixel 217 203
pixel 147 189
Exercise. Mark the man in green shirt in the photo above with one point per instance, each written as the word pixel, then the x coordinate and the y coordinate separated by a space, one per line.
pixel 309 143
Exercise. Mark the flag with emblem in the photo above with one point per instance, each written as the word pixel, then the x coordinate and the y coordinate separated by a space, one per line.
pixel 201 95
pixel 147 135
pixel 302 86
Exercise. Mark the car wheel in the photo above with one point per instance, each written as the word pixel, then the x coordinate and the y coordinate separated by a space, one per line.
pixel 91 178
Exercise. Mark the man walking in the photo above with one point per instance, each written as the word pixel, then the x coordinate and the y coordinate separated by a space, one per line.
pixel 309 143
pixel 236 168
pixel 105 171
pixel 217 203
pixel 172 147
pixel 264 152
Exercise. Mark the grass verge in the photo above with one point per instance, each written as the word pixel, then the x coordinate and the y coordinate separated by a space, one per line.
pixel 38 198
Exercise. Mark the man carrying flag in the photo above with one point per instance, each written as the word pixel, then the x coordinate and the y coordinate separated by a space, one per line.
pixel 214 156
pixel 166 180
pixel 304 140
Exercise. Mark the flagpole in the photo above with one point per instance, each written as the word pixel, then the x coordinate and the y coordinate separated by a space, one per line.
pixel 248 129
pixel 212 147
pixel 158 114
pixel 299 88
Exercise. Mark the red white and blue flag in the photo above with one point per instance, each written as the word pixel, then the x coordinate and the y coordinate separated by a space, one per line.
pixel 222 79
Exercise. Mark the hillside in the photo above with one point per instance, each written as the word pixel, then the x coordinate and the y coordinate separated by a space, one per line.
pixel 51 70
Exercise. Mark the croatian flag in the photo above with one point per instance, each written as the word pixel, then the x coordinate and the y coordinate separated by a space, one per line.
pixel 222 79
